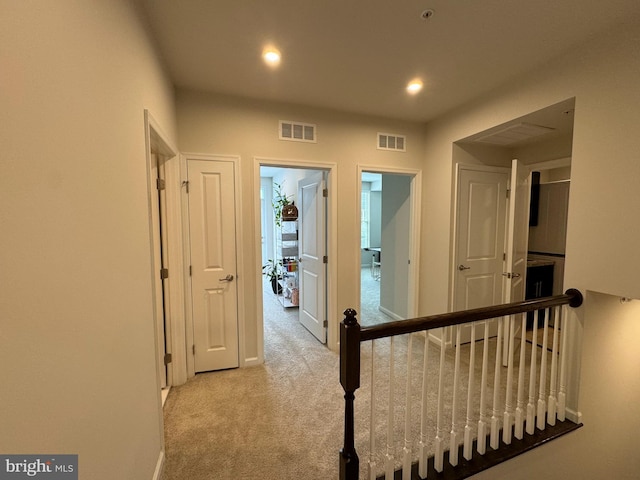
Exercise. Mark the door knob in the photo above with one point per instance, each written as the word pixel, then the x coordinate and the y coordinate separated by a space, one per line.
pixel 228 278
pixel 462 267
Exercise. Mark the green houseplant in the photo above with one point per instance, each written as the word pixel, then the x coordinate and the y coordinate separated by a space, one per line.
pixel 273 271
pixel 280 200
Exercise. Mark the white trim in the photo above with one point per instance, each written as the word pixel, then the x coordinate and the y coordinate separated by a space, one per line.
pixel 157 473
pixel 414 232
pixel 157 141
pixel 332 238
pixel 550 164
pixel 186 256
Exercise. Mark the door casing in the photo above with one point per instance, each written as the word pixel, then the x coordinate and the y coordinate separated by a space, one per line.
pixel 332 241
pixel 414 230
pixel 158 142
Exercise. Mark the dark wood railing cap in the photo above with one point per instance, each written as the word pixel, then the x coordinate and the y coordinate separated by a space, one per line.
pixel 350 316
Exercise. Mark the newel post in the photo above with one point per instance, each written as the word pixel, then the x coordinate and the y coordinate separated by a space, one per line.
pixel 350 381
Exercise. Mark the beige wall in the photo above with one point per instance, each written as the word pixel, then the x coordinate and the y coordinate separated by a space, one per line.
pixel 221 125
pixel 76 328
pixel 602 245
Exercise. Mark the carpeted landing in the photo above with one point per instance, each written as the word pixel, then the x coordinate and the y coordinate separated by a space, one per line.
pixel 284 419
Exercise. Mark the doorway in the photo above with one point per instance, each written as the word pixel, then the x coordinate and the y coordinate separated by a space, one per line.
pixel 388 258
pixel 294 246
pixel 541 141
pixel 165 235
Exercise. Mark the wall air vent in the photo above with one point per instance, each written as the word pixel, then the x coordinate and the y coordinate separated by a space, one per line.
pixel 297 131
pixel 389 141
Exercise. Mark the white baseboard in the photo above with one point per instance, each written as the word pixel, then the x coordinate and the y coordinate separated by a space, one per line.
pixel 157 474
pixel 575 417
pixel 389 313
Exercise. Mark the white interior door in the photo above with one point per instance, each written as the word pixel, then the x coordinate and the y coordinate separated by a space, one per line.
pixel 480 227
pixel 312 248
pixel 517 233
pixel 213 263
pixel 515 273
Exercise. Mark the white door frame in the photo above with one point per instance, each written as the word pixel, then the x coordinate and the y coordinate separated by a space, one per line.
pixel 241 281
pixel 158 142
pixel 414 232
pixel 332 245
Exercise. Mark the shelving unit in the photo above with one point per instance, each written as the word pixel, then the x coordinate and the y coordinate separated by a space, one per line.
pixel 287 248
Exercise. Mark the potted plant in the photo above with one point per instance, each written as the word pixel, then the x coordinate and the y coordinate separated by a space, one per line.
pixel 273 270
pixel 283 207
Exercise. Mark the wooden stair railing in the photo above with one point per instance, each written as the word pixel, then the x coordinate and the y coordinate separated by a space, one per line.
pixel 532 415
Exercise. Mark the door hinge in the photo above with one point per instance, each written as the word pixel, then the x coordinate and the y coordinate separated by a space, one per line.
pixel 504 256
pixel 164 273
pixel 190 270
pixel 193 349
pixel 325 259
pixel 325 323
pixel 185 184
pixel 160 184
pixel 508 192
pixel 325 192
pixel 167 358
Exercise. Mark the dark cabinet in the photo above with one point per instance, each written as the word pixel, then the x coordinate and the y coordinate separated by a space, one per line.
pixel 539 284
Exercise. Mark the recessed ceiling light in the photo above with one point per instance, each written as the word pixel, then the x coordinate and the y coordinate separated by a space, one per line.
pixel 414 86
pixel 271 56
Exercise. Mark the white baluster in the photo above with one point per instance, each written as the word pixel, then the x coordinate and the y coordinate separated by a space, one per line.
pixel 508 407
pixel 532 378
pixel 406 458
pixel 495 420
pixel 562 389
pixel 424 452
pixel 453 444
pixel 372 429
pixel 520 414
pixel 542 404
pixel 482 422
pixel 553 381
pixel 438 458
pixel 468 440
pixel 389 458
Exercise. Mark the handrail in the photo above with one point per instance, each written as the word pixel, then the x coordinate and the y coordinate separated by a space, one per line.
pixel 352 334
pixel 572 297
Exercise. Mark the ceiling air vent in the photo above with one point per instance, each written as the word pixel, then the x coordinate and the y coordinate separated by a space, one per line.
pixel 512 134
pixel 297 131
pixel 388 141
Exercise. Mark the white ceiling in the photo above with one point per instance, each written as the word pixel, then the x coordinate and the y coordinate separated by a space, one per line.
pixel 357 56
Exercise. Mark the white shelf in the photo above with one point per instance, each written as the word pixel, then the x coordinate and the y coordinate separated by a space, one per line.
pixel 287 248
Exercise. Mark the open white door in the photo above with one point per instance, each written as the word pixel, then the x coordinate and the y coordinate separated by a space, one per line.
pixel 518 233
pixel 480 227
pixel 312 242
pixel 515 273
pixel 213 262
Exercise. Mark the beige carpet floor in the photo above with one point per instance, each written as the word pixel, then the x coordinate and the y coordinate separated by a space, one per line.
pixel 284 419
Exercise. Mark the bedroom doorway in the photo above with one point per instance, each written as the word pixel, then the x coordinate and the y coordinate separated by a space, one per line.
pixel 389 209
pixel 294 250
